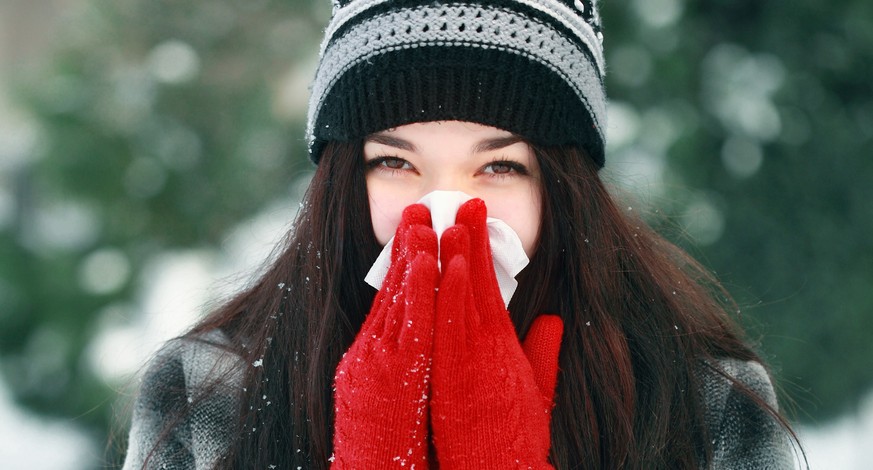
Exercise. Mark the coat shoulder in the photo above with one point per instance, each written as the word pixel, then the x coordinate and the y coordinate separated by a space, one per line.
pixel 744 434
pixel 186 405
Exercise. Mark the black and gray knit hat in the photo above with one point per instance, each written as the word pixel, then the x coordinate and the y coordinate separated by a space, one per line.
pixel 531 67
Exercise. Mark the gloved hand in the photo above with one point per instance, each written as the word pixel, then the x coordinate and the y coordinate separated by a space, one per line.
pixel 382 382
pixel 491 404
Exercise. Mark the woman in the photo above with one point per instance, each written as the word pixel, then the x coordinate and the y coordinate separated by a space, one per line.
pixel 615 351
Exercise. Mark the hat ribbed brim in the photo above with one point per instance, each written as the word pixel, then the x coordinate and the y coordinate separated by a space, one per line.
pixel 438 83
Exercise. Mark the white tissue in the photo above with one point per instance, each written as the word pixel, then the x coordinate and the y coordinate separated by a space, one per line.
pixel 506 248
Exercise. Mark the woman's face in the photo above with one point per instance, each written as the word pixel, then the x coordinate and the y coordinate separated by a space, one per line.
pixel 405 163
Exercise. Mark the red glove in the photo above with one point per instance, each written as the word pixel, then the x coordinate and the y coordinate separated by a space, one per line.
pixel 382 382
pixel 488 408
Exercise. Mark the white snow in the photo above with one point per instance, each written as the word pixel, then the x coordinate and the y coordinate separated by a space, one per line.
pixel 28 442
pixel 844 443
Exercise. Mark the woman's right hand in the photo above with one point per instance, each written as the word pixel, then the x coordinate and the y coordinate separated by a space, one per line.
pixel 382 382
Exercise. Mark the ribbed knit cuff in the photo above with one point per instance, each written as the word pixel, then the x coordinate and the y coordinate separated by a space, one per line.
pixel 432 84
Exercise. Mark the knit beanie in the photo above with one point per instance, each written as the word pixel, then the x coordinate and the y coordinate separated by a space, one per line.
pixel 531 67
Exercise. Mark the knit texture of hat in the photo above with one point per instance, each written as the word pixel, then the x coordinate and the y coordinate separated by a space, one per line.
pixel 532 67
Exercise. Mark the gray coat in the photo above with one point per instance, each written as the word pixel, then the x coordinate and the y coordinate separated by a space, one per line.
pixel 744 437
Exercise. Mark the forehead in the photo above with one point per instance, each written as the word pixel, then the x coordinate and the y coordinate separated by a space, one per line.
pixel 440 137
pixel 442 131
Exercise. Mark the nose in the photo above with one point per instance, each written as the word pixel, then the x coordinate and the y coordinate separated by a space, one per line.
pixel 448 181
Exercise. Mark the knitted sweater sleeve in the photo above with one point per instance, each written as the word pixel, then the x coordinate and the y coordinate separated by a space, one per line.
pixel 743 435
pixel 183 378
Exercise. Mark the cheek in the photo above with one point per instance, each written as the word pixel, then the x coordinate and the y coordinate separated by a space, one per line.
pixel 522 215
pixel 386 209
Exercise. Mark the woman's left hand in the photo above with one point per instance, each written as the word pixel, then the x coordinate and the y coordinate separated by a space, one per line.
pixel 488 408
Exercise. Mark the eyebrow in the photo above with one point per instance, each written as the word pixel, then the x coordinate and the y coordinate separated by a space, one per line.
pixel 392 142
pixel 486 145
pixel 496 143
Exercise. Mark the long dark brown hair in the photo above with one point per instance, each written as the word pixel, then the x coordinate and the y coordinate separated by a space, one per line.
pixel 641 319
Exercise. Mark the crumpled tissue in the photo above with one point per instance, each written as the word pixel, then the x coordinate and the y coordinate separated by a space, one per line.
pixel 506 248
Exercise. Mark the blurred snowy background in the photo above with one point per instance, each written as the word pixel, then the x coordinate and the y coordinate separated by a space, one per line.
pixel 151 156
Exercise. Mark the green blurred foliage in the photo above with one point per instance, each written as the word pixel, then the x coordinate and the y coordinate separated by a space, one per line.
pixel 163 123
pixel 771 109
pixel 159 125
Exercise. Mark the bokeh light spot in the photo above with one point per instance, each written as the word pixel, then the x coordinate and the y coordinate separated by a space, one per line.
pixel 105 271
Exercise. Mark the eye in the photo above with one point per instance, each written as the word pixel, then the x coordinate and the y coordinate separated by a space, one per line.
pixel 498 168
pixel 389 163
pixel 504 168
